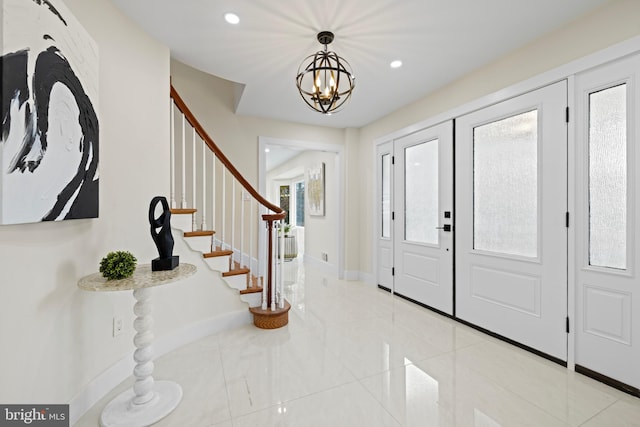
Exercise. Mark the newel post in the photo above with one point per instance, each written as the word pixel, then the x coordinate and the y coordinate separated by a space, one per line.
pixel 273 314
pixel 270 219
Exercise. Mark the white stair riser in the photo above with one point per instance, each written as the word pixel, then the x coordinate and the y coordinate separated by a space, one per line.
pixel 182 221
pixel 199 243
pixel 219 263
pixel 238 282
pixel 254 300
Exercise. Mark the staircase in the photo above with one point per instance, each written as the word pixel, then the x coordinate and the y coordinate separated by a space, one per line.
pixel 223 217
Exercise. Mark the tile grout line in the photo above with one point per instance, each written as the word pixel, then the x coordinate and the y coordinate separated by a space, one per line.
pixel 599 412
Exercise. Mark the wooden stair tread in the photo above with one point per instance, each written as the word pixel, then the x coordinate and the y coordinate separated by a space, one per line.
pixel 235 272
pixel 217 253
pixel 252 290
pixel 177 211
pixel 199 233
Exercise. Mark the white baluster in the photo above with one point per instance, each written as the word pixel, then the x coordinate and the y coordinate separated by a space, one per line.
pixel 143 355
pixel 259 252
pixel 281 281
pixel 251 270
pixel 224 207
pixel 274 283
pixel 265 250
pixel 204 186
pixel 193 178
pixel 213 193
pixel 233 221
pixel 242 225
pixel 172 167
pixel 183 203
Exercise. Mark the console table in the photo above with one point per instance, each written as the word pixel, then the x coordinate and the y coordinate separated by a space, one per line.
pixel 148 401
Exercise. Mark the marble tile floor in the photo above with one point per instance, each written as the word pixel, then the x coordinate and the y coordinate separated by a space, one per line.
pixel 356 356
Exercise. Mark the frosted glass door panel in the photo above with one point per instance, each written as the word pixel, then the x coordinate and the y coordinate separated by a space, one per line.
pixel 608 177
pixel 505 185
pixel 386 195
pixel 421 193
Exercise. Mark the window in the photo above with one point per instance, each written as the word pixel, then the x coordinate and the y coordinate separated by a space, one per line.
pixel 386 195
pixel 284 201
pixel 421 192
pixel 608 177
pixel 505 185
pixel 299 186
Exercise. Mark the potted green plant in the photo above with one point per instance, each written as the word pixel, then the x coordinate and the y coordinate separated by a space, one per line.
pixel 118 265
pixel 286 229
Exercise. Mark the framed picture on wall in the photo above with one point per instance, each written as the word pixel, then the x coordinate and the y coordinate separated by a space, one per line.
pixel 315 189
pixel 49 126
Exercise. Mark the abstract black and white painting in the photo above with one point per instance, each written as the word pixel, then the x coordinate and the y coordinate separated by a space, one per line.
pixel 49 131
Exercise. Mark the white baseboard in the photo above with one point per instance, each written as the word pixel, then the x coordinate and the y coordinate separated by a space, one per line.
pixel 368 278
pixel 351 275
pixel 99 387
pixel 123 368
pixel 321 266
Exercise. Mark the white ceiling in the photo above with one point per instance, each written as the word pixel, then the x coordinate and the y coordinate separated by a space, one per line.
pixel 438 41
pixel 278 155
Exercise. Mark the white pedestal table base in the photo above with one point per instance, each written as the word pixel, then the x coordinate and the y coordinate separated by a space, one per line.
pixel 122 412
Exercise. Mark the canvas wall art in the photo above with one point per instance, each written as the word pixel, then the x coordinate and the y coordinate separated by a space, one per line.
pixel 315 190
pixel 49 146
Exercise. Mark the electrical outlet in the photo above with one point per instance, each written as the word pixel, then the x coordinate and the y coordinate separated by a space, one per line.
pixel 117 326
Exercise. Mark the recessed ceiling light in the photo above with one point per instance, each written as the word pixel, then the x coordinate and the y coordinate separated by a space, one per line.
pixel 396 64
pixel 231 18
pixel 266 150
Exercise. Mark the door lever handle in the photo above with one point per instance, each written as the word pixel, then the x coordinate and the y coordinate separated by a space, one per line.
pixel 446 227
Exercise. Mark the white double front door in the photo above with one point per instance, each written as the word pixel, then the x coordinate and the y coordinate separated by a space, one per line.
pixel 509 220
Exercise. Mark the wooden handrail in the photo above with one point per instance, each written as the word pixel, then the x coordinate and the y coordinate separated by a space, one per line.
pixel 274 217
pixel 219 155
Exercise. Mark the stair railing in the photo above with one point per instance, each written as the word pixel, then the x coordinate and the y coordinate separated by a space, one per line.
pixel 210 183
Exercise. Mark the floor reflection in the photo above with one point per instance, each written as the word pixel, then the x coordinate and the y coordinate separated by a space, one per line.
pixel 353 355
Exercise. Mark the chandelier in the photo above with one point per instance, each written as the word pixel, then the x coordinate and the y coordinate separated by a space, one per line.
pixel 325 80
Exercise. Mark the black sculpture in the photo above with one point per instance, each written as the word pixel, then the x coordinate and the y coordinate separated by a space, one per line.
pixel 162 238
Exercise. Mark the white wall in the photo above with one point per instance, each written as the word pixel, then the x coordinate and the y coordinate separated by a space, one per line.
pixel 614 22
pixel 56 338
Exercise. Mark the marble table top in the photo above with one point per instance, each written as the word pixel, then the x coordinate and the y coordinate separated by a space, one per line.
pixel 142 277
